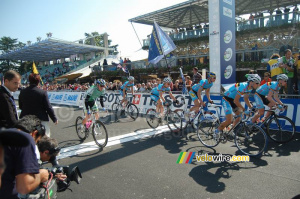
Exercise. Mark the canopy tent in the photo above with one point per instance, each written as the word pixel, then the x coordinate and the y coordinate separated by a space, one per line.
pixel 69 77
pixel 194 12
pixel 50 49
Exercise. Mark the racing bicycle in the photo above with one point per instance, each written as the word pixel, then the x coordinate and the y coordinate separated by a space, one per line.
pixel 127 108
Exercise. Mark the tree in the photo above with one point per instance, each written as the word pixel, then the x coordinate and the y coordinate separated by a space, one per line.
pixel 97 39
pixel 7 45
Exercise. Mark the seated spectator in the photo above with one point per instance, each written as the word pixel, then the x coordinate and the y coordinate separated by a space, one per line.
pixel 266 78
pixel 149 88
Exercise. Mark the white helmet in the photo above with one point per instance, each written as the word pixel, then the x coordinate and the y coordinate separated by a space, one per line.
pixel 282 76
pixel 130 78
pixel 167 80
pixel 254 78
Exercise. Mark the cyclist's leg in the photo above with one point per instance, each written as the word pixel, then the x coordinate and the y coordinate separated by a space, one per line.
pixel 228 114
pixel 157 100
pixel 95 110
pixel 86 108
pixel 101 101
pixel 260 106
pixel 121 93
pixel 237 112
pixel 196 101
pixel 270 105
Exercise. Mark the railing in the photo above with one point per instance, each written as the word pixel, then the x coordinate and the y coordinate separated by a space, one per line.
pixel 84 65
pixel 257 22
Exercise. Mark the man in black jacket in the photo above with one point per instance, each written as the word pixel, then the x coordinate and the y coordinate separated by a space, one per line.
pixel 8 110
pixel 34 101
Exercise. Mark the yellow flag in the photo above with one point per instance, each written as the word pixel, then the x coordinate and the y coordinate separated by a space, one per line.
pixel 34 69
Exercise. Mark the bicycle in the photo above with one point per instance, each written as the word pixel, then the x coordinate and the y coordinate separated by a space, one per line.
pixel 250 140
pixel 172 118
pixel 279 128
pixel 193 121
pixel 96 127
pixel 127 108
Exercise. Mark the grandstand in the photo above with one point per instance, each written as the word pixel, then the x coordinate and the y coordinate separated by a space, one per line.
pixel 274 26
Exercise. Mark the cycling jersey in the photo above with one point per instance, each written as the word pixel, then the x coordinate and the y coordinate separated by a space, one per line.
pixel 93 93
pixel 202 84
pixel 264 89
pixel 238 88
pixel 127 84
pixel 160 88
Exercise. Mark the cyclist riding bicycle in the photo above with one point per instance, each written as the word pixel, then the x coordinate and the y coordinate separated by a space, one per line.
pixel 267 94
pixel 157 95
pixel 195 93
pixel 127 86
pixel 92 94
pixel 231 100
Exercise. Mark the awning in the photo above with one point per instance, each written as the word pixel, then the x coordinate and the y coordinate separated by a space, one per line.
pixel 69 77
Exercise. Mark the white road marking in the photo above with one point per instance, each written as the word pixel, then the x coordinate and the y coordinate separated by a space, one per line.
pixel 90 146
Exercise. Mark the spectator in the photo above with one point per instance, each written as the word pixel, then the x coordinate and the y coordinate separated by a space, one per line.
pixel 142 89
pixel 105 62
pixel 34 101
pixel 8 109
pixel 273 66
pixel 22 174
pixel 266 78
pixel 298 71
pixel 158 80
pixel 149 88
pixel 180 84
pixel 121 61
pixel 188 82
pixel 197 77
pixel 128 64
pixel 175 87
pixel 287 63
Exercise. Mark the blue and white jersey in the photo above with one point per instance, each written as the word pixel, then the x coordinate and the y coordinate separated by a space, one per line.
pixel 160 88
pixel 238 88
pixel 127 84
pixel 203 83
pixel 265 88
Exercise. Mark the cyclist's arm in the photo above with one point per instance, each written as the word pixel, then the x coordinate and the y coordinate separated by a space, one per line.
pixel 276 97
pixel 237 102
pixel 208 94
pixel 161 96
pixel 270 96
pixel 246 99
pixel 124 90
pixel 172 96
pixel 132 90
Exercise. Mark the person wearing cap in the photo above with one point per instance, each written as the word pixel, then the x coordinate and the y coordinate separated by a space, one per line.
pixel 22 174
pixel 197 77
pixel 231 100
pixel 35 101
pixel 8 109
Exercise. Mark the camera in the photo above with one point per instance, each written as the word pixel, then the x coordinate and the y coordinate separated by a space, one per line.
pixel 54 185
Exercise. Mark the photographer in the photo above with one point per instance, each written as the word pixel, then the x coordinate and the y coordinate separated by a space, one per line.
pixel 22 173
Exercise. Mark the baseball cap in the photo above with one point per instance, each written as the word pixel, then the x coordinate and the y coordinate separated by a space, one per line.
pixel 14 137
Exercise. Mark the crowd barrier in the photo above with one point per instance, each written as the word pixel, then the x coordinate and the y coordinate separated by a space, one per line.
pixel 143 102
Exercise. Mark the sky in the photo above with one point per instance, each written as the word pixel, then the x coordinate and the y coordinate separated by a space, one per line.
pixel 68 20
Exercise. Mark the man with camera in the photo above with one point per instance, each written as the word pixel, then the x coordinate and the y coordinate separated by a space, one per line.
pixel 23 174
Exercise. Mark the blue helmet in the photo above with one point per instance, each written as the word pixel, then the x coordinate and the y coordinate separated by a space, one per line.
pixel 211 74
pixel 101 82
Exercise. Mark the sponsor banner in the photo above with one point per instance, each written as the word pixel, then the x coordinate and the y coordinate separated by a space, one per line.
pixel 144 102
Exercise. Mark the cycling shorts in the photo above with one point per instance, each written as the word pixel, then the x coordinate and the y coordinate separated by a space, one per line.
pixel 228 105
pixel 193 95
pixel 90 105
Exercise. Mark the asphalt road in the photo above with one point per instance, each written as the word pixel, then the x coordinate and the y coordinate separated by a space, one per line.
pixel 146 167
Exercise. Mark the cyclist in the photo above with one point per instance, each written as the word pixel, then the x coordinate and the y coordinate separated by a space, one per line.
pixel 157 95
pixel 231 100
pixel 125 87
pixel 268 94
pixel 92 94
pixel 195 93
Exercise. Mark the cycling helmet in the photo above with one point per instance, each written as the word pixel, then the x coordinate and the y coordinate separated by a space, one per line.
pixel 282 76
pixel 254 78
pixel 211 74
pixel 101 82
pixel 167 80
pixel 130 78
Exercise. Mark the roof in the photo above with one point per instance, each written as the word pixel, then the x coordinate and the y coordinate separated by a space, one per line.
pixel 194 12
pixel 50 49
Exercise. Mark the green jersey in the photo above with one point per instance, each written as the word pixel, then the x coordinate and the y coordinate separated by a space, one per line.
pixel 93 93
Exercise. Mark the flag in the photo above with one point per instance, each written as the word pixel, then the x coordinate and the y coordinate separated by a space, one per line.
pixel 124 68
pixel 35 71
pixel 119 66
pixel 160 44
pixel 184 89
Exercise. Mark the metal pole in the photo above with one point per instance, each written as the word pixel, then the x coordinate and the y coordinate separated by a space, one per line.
pixel 136 35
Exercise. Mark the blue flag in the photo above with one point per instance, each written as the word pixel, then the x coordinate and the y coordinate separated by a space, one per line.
pixel 160 44
pixel 184 89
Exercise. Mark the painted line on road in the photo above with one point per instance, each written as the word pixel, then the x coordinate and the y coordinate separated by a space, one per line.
pixel 90 146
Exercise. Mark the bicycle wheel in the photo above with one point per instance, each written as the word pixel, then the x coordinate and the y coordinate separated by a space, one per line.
pixel 132 111
pixel 251 140
pixel 184 119
pixel 80 129
pixel 151 118
pixel 206 133
pixel 174 121
pixel 100 133
pixel 281 129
